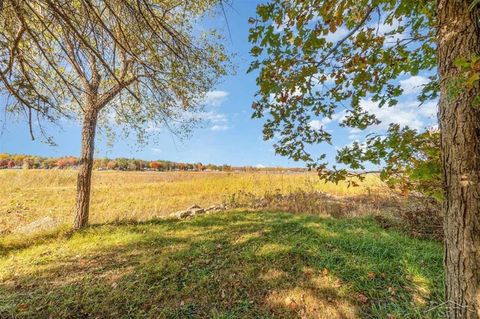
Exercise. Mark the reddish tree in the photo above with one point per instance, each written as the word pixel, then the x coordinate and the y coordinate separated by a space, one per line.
pixel 61 163
pixel 154 165
pixel 111 165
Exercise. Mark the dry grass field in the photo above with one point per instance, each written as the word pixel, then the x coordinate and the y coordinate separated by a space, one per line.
pixel 284 256
pixel 27 195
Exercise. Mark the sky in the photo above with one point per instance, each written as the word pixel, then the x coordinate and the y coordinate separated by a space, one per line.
pixel 230 136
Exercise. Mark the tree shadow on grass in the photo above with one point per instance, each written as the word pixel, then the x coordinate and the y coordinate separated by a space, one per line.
pixel 228 265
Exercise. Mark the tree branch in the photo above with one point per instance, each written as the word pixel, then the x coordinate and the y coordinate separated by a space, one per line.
pixel 352 32
pixel 113 92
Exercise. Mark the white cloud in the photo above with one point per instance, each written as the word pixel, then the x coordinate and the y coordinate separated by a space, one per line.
pixel 316 125
pixel 218 121
pixel 355 130
pixel 413 84
pixel 339 116
pixel 218 128
pixel 215 98
pixel 208 116
pixel 406 113
pixel 429 109
pixel 156 150
pixel 337 35
pixel 260 166
pixel 354 137
pixel 319 124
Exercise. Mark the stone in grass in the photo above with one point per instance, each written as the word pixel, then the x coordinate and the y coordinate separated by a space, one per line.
pixel 215 208
pixel 41 224
pixel 195 210
pixel 182 214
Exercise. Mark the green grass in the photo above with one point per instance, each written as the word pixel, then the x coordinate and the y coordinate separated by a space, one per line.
pixel 227 265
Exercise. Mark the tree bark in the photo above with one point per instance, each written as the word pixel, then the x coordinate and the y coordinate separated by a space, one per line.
pixel 459 37
pixel 84 179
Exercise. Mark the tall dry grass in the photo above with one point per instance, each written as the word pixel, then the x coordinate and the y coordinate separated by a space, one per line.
pixel 27 195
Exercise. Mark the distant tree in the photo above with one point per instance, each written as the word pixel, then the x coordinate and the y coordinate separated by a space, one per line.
pixel 317 58
pixel 132 166
pixel 154 165
pixel 112 165
pixel 18 159
pixel 122 163
pixel 135 165
pixel 101 163
pixel 27 163
pixel 61 163
pixel 48 163
pixel 140 62
pixel 165 166
pixel 71 161
pixel 11 164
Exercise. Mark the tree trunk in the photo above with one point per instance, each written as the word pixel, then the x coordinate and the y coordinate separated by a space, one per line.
pixel 459 37
pixel 84 178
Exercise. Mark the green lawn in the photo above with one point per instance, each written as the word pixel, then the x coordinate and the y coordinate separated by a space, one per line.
pixel 227 265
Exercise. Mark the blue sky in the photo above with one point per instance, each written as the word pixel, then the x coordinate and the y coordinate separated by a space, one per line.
pixel 231 136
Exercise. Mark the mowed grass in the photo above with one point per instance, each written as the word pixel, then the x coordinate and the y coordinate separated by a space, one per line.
pixel 28 195
pixel 227 265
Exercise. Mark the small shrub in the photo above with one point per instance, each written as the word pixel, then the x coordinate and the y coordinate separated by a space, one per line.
pixel 422 217
pixel 314 202
pixel 418 215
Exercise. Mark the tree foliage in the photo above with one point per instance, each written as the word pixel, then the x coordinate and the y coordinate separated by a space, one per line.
pixel 145 60
pixel 318 58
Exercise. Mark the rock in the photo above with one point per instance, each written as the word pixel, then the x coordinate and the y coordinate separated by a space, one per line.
pixel 211 208
pixel 215 208
pixel 41 224
pixel 182 214
pixel 197 211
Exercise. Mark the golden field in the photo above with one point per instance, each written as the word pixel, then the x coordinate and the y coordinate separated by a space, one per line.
pixel 287 257
pixel 27 195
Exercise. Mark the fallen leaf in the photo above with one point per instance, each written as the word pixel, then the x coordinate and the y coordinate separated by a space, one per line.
pixel 392 290
pixel 361 298
pixel 291 303
pixel 22 307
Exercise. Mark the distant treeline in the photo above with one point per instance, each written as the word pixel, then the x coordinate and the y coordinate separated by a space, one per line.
pixel 123 164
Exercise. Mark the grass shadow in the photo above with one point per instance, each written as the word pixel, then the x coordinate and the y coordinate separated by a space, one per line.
pixel 227 265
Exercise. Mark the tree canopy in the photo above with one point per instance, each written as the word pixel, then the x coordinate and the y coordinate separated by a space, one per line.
pixel 320 59
pixel 142 64
pixel 146 60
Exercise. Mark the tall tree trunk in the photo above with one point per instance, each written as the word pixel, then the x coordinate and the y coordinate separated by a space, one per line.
pixel 459 37
pixel 84 178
